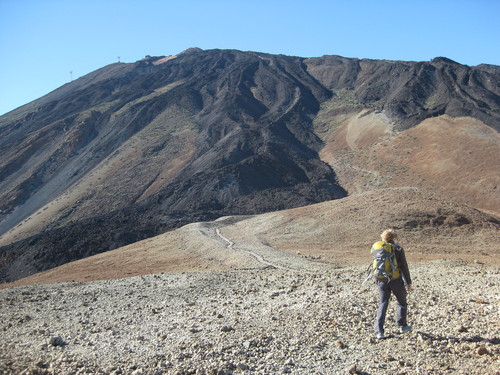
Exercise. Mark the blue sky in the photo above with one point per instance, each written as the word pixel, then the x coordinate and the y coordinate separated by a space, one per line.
pixel 42 41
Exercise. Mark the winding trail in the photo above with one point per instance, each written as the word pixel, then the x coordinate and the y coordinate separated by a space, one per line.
pixel 255 255
pixel 263 253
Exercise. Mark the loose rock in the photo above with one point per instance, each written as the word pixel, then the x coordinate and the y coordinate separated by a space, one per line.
pixel 199 324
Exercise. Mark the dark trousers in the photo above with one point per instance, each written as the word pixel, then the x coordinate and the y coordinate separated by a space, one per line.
pixel 384 290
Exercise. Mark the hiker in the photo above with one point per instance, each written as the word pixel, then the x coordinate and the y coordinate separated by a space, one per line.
pixel 391 274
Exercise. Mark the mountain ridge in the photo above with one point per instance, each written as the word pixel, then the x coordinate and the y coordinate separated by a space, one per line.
pixel 131 151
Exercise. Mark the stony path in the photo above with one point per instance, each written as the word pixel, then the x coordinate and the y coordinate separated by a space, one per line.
pixel 230 245
pixel 262 253
pixel 255 321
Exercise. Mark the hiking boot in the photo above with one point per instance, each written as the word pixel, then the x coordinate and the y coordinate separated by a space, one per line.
pixel 404 329
pixel 380 336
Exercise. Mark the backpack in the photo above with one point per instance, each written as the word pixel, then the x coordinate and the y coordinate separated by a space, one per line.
pixel 384 263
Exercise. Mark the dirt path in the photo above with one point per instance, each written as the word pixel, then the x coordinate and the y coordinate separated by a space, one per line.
pixel 256 256
pixel 265 255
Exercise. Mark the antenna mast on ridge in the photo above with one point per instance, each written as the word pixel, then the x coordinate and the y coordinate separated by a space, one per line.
pixel 71 75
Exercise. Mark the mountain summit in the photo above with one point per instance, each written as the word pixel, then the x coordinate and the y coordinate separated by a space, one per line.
pixel 133 150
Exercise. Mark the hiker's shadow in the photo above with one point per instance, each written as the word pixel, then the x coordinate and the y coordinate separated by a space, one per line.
pixel 429 336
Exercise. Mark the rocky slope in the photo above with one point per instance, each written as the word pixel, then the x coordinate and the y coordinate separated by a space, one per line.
pixel 410 92
pixel 280 292
pixel 133 150
pixel 313 320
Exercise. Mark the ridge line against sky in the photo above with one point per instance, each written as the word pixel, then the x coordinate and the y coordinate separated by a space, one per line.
pixel 45 44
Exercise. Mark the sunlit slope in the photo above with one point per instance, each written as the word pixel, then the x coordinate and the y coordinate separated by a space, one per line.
pixel 455 157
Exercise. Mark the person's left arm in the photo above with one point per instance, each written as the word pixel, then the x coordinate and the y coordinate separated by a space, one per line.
pixel 403 266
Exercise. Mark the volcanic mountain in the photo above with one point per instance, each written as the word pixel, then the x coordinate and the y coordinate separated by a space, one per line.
pixel 131 151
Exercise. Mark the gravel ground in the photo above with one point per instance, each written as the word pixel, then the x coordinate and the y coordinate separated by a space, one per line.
pixel 260 320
